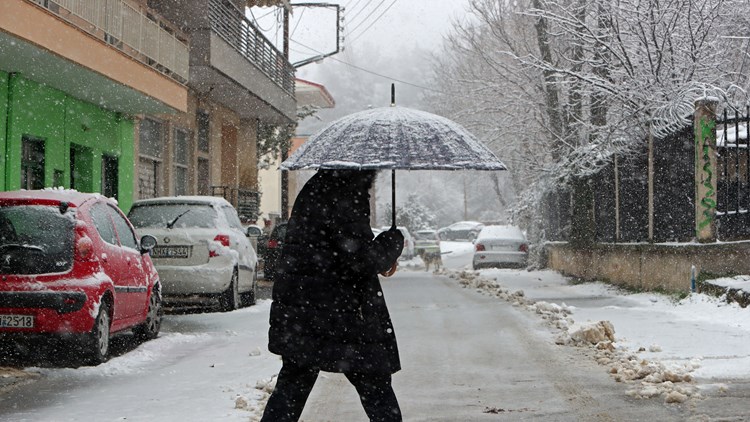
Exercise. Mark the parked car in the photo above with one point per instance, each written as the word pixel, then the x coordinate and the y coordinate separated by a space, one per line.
pixel 203 253
pixel 426 241
pixel 273 248
pixel 462 230
pixel 408 252
pixel 500 246
pixel 72 267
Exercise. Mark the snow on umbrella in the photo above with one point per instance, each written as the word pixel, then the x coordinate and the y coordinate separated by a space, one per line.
pixel 395 138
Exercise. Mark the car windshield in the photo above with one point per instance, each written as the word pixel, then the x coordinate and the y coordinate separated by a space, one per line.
pixel 35 240
pixel 159 215
pixel 425 235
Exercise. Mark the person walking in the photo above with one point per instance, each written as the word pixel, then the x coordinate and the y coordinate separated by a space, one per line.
pixel 328 311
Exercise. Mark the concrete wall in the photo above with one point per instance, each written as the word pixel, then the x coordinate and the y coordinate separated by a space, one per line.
pixel 650 266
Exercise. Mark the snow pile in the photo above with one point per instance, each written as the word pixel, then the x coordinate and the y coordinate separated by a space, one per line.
pixel 256 405
pixel 649 378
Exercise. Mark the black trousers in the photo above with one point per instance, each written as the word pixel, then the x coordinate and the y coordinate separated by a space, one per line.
pixel 294 384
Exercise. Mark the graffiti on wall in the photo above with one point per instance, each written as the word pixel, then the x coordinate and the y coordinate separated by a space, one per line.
pixel 704 163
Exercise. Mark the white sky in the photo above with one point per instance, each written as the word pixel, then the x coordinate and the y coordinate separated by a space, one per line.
pixel 387 27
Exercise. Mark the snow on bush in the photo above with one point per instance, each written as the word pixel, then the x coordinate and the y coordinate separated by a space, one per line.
pixel 649 378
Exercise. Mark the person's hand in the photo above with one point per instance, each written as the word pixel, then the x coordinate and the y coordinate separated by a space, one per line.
pixel 390 271
pixel 396 233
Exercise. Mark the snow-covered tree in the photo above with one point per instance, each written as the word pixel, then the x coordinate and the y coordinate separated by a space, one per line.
pixel 557 87
pixel 412 214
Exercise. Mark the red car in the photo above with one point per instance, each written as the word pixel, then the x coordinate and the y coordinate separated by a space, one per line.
pixel 71 266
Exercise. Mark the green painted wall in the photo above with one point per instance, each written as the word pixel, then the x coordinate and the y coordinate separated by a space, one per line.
pixel 66 123
pixel 3 122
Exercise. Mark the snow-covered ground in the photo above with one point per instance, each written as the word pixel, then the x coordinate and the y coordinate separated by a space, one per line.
pixel 693 345
pixel 700 337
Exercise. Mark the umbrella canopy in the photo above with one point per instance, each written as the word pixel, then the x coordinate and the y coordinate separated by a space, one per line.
pixel 393 138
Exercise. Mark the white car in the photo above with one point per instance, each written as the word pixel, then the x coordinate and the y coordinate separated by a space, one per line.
pixel 500 246
pixel 408 252
pixel 203 251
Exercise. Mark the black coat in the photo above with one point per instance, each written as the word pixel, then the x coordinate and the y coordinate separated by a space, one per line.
pixel 328 307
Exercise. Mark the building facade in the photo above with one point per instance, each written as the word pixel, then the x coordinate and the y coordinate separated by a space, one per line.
pixel 137 98
pixel 73 74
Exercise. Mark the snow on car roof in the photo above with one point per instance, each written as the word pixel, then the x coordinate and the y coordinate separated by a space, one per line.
pixel 501 232
pixel 71 196
pixel 187 199
pixel 467 224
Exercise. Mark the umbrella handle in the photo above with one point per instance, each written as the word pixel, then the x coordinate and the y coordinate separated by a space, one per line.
pixel 393 198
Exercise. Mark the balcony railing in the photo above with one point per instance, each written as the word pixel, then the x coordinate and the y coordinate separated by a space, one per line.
pixel 232 26
pixel 130 28
pixel 246 201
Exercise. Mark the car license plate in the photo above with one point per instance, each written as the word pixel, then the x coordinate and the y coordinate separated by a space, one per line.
pixel 170 252
pixel 502 248
pixel 16 321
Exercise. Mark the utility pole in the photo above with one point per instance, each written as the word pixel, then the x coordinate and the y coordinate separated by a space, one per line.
pixel 285 147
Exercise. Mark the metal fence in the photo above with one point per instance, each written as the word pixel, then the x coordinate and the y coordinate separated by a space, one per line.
pixel 621 195
pixel 129 28
pixel 246 201
pixel 232 25
pixel 733 173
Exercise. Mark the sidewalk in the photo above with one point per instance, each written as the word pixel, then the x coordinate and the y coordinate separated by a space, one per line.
pixel 659 345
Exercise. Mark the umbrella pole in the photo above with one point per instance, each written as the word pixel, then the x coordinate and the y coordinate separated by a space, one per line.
pixel 393 198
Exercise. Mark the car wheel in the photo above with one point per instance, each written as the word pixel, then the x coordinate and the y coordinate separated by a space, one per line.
pixel 150 328
pixel 96 345
pixel 230 299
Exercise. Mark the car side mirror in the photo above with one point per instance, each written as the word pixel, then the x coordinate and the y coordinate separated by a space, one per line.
pixel 253 232
pixel 148 243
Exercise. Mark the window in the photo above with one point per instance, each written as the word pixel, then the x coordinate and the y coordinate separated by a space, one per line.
pixel 181 161
pixel 149 163
pixel 127 237
pixel 32 163
pixel 231 215
pixel 203 123
pixel 182 214
pixel 103 223
pixel 203 177
pixel 152 138
pixel 109 176
pixel 46 235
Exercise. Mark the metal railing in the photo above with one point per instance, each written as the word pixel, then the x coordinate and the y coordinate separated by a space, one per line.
pixel 239 32
pixel 246 201
pixel 733 174
pixel 129 28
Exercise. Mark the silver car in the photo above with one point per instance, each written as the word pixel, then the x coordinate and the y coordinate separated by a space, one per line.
pixel 500 246
pixel 203 252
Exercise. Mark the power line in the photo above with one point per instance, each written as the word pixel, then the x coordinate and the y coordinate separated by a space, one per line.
pixel 373 22
pixel 355 4
pixel 362 9
pixel 374 73
pixel 256 20
pixel 366 17
pixel 299 19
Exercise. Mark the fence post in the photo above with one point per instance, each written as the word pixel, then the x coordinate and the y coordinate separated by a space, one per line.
pixel 705 169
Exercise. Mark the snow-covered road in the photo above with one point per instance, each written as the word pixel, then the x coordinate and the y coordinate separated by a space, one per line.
pixel 469 352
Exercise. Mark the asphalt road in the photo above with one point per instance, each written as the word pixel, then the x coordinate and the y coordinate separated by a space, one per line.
pixel 465 357
pixel 471 357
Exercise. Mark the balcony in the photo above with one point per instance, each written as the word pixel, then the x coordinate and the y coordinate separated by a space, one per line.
pixel 83 48
pixel 232 62
pixel 130 28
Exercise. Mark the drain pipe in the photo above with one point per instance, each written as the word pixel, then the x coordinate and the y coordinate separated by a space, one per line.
pixel 692 278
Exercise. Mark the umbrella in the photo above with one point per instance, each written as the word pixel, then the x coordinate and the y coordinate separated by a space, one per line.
pixel 393 138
